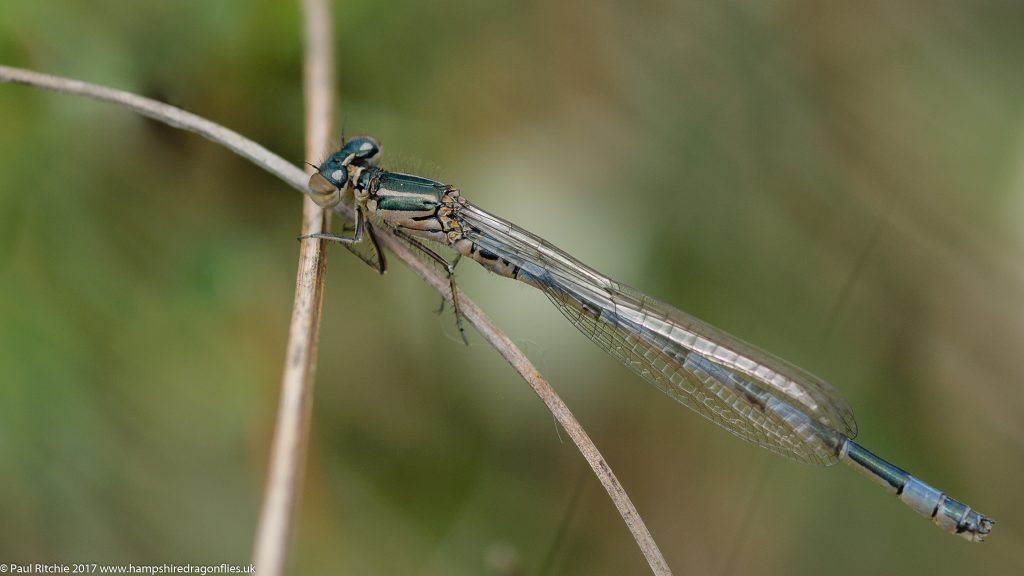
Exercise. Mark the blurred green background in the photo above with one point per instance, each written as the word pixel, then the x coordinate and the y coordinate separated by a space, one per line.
pixel 842 185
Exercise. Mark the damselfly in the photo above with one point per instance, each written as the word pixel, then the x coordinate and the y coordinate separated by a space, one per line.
pixel 743 389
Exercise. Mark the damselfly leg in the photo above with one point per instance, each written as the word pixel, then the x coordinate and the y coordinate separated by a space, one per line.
pixel 449 268
pixel 455 262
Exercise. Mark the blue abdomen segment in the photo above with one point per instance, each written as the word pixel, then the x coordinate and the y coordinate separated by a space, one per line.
pixel 951 515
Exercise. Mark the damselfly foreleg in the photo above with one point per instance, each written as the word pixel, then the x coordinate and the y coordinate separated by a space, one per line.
pixel 362 224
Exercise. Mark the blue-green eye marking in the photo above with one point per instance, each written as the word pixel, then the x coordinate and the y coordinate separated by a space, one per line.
pixel 363 149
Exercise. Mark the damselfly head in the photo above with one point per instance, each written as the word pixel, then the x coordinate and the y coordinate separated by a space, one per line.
pixel 329 180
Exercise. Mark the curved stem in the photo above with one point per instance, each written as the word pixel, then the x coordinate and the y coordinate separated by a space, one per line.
pixel 296 178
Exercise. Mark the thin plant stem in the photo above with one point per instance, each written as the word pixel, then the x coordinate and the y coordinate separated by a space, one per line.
pixel 287 465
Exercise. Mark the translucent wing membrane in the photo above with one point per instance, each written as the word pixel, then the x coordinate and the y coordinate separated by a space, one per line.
pixel 743 389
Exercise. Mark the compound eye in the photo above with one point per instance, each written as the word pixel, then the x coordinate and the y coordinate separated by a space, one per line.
pixel 369 151
pixel 325 193
pixel 321 185
pixel 363 150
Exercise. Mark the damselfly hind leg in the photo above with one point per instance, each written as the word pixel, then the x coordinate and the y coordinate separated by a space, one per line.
pixel 455 262
pixel 449 268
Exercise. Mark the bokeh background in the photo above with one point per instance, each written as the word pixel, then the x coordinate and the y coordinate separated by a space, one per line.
pixel 842 185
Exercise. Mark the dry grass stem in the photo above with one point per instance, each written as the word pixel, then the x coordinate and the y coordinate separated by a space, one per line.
pixel 294 413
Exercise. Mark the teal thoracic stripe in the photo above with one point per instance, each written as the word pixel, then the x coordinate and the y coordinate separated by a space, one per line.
pixel 406 193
